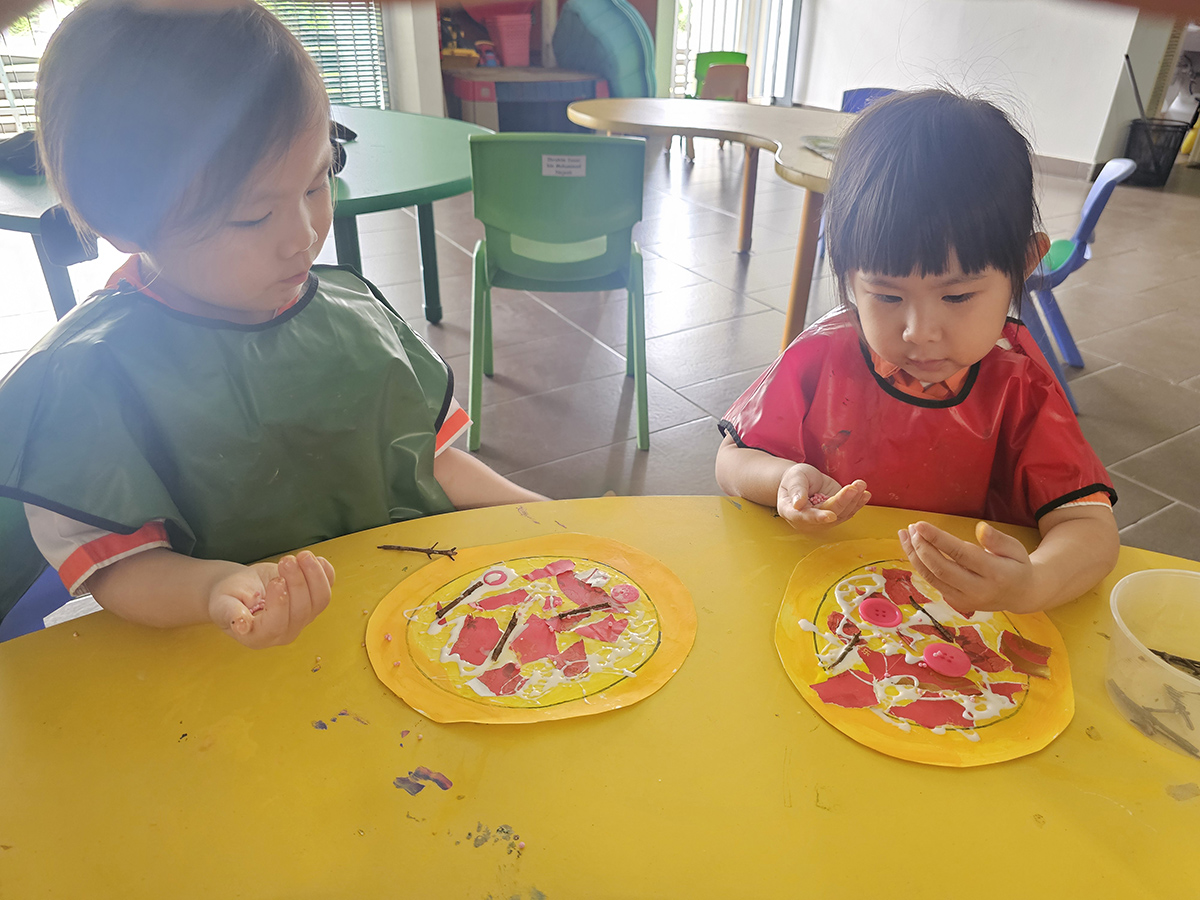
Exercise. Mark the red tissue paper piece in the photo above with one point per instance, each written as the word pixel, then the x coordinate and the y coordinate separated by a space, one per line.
pixel 573 661
pixel 882 667
pixel 835 619
pixel 476 639
pixel 607 629
pixel 850 689
pixel 536 641
pixel 932 713
pixel 555 568
pixel 982 656
pixel 509 599
pixel 1009 689
pixel 900 589
pixel 503 681
pixel 558 626
pixel 581 592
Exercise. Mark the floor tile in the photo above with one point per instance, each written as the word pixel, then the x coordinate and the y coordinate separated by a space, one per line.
pixel 1174 530
pixel 1135 501
pixel 667 312
pixel 717 395
pixel 537 429
pixel 1171 468
pixel 1164 346
pixel 655 230
pixel 660 274
pixel 710 351
pixel 681 460
pixel 1124 411
pixel 542 365
pixel 754 272
pixel 707 249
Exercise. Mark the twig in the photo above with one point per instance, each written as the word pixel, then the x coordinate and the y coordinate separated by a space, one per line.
pixel 438 613
pixel 512 623
pixel 854 642
pixel 431 552
pixel 941 629
pixel 1191 666
pixel 583 610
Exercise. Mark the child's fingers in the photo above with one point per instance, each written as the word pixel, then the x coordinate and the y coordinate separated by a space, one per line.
pixel 232 614
pixel 946 557
pixel 330 575
pixel 316 580
pixel 1000 544
pixel 275 618
pixel 299 596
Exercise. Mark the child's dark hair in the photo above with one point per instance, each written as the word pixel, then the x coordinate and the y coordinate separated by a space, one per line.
pixel 152 120
pixel 920 174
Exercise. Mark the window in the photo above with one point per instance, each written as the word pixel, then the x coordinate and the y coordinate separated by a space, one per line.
pixel 345 37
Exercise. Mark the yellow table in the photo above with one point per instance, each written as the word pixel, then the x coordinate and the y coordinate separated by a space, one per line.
pixel 778 129
pixel 136 763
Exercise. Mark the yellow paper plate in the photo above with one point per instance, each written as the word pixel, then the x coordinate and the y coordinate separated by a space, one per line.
pixel 999 722
pixel 474 639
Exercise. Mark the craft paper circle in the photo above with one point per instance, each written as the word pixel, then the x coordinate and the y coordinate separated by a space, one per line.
pixel 880 611
pixel 948 659
pixel 445 605
pixel 1041 709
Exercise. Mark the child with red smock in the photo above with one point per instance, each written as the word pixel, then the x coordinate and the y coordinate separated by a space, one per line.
pixel 921 391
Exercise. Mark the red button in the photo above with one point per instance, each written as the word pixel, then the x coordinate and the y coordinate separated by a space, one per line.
pixel 880 611
pixel 947 659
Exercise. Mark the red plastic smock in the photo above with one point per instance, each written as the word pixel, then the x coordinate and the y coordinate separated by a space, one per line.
pixel 1005 447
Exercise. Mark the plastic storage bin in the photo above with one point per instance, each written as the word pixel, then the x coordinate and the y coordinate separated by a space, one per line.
pixel 510 32
pixel 1157 610
pixel 1153 144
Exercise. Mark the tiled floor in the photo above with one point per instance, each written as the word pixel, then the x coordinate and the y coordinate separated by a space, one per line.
pixel 559 415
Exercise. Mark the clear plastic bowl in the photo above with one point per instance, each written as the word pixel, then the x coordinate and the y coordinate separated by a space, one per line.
pixel 1157 610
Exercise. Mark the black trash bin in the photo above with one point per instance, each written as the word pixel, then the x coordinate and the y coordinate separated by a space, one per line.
pixel 1153 144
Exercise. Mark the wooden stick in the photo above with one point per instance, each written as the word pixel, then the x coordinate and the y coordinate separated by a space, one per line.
pixel 428 551
pixel 512 623
pixel 583 610
pixel 438 613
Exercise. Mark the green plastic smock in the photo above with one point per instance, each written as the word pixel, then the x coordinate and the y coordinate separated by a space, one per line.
pixel 247 440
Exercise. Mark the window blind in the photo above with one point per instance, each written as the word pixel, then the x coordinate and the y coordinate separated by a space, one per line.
pixel 345 37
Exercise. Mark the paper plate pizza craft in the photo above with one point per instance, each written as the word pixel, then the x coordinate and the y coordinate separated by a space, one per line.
pixel 884 659
pixel 534 630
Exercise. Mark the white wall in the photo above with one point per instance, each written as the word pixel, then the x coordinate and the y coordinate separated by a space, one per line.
pixel 1056 65
pixel 414 62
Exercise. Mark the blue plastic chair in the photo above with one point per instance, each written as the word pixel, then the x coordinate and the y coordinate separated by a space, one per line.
pixel 1067 255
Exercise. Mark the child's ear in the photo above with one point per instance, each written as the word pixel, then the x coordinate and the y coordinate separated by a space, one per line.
pixel 1039 246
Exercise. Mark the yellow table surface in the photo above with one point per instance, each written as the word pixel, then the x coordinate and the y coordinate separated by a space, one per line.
pixel 137 763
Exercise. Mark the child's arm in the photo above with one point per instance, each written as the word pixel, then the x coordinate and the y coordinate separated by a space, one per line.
pixel 261 605
pixel 471 483
pixel 787 486
pixel 1078 548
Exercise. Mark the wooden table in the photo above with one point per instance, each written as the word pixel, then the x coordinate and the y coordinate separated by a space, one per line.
pixel 399 159
pixel 139 763
pixel 778 129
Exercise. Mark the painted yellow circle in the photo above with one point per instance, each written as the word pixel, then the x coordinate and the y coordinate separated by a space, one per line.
pixel 1043 709
pixel 410 644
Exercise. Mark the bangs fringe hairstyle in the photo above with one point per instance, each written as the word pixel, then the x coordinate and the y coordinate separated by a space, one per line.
pixel 153 120
pixel 924 173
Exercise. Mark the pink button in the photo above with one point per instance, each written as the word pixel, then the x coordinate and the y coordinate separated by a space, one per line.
pixel 880 611
pixel 947 659
pixel 625 593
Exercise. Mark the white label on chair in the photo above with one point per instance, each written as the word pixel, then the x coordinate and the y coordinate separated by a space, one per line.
pixel 564 166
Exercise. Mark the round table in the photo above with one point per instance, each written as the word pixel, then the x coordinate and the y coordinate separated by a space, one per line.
pixel 779 129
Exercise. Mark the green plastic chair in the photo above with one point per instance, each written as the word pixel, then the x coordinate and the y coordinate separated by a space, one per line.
pixel 714 58
pixel 558 212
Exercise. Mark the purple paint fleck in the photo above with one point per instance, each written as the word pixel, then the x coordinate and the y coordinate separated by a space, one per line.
pixel 436 777
pixel 404 733
pixel 413 787
pixel 320 725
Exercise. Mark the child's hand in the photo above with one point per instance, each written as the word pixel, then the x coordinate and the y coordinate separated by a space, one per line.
pixel 268 604
pixel 802 484
pixel 995 575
